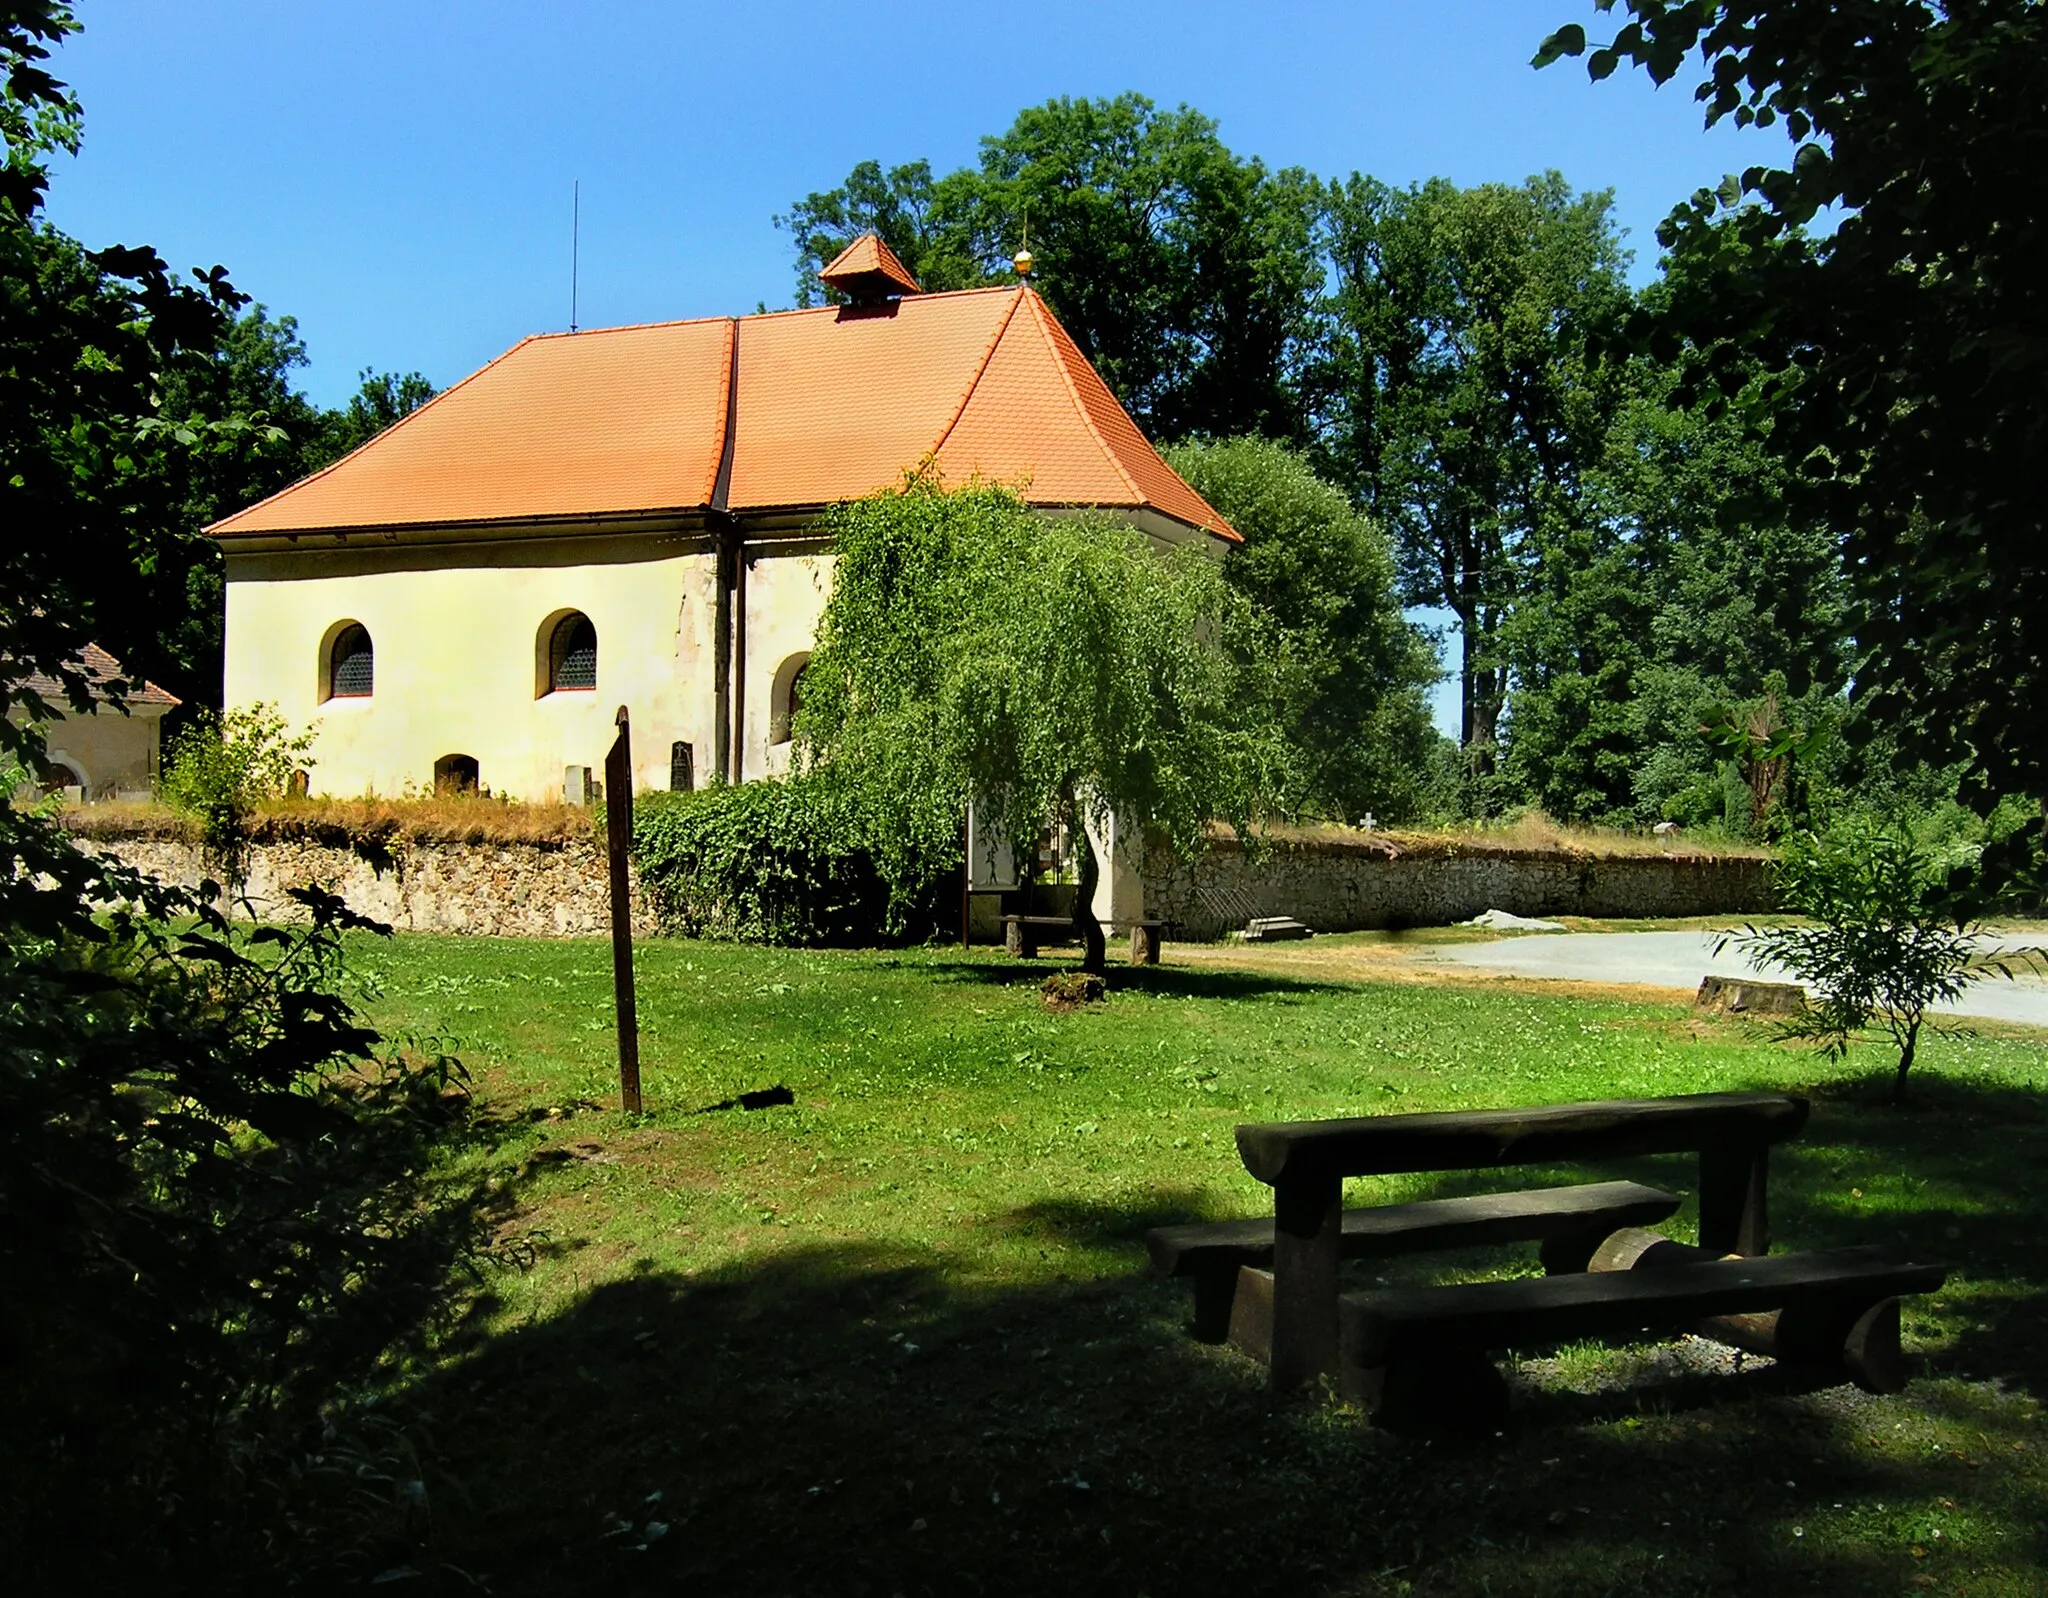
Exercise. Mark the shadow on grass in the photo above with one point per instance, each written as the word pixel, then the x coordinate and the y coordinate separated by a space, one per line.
pixel 844 1419
pixel 1164 981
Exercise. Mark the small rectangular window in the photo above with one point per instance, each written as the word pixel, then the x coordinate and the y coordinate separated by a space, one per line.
pixel 682 768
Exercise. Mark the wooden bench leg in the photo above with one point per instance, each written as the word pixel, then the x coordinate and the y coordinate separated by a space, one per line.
pixel 1853 1339
pixel 1871 1351
pixel 1308 1222
pixel 1144 945
pixel 1733 1216
pixel 1842 1333
pixel 1013 940
pixel 1215 1293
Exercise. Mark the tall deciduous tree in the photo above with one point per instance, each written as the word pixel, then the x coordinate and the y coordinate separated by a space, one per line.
pixel 1687 590
pixel 1463 395
pixel 95 468
pixel 1051 672
pixel 1323 573
pixel 1187 274
pixel 1910 345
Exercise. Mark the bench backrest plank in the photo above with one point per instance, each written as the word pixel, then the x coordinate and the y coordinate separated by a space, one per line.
pixel 1285 1152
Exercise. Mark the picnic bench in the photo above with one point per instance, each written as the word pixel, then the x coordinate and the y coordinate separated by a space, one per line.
pixel 1022 934
pixel 1418 1355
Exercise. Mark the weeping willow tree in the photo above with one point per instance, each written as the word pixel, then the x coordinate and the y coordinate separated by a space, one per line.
pixel 1049 671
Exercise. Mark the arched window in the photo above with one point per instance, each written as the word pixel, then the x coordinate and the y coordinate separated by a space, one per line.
pixel 455 774
pixel 786 697
pixel 351 664
pixel 572 654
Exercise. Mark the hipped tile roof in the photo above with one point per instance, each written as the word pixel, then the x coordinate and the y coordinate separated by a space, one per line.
pixel 868 265
pixel 801 408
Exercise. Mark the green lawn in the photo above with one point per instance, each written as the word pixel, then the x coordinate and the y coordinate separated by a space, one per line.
pixel 899 1336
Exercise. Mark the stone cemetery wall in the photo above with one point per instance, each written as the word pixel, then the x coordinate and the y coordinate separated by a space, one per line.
pixel 557 888
pixel 527 890
pixel 1344 887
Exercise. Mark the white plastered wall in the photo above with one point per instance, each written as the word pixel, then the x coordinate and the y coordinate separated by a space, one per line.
pixel 456 633
pixel 786 596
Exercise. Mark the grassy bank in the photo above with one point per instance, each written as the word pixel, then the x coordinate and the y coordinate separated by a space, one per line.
pixel 468 818
pixel 898 1335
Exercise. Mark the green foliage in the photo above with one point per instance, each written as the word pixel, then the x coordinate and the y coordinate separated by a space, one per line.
pixel 218 769
pixel 1904 350
pixel 1185 273
pixel 223 1214
pixel 384 398
pixel 1469 401
pixel 1884 945
pixel 1354 707
pixel 90 461
pixel 221 1208
pixel 233 761
pixel 1047 670
pixel 1687 589
pixel 787 862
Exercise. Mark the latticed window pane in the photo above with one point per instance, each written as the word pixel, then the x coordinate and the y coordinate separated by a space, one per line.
pixel 575 653
pixel 355 665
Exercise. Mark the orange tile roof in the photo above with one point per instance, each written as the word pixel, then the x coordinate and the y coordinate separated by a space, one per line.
pixel 868 264
pixel 829 404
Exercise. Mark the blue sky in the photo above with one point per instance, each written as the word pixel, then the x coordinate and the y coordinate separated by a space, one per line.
pixel 397 176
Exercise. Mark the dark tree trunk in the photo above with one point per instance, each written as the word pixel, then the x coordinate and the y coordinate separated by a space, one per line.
pixel 1906 1049
pixel 1480 681
pixel 1094 947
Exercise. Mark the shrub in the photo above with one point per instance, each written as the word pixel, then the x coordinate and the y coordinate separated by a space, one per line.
pixel 226 1218
pixel 1886 943
pixel 220 768
pixel 783 861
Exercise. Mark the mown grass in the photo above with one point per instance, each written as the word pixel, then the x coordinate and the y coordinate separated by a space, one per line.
pixel 898 1337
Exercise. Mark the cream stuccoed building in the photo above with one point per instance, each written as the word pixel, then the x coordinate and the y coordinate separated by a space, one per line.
pixel 628 517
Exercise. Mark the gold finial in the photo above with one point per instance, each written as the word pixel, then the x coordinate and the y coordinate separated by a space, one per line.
pixel 1023 260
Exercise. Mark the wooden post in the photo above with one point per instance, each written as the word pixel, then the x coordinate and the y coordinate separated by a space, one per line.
pixel 618 841
pixel 966 875
pixel 1308 1222
pixel 1733 1215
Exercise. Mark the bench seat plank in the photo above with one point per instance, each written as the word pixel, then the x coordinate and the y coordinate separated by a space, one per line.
pixel 1472 1221
pixel 1457 1140
pixel 1395 1322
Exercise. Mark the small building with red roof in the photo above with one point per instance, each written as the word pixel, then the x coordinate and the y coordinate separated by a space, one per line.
pixel 629 517
pixel 107 752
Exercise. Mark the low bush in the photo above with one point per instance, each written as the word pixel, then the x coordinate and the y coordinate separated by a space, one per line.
pixel 1886 941
pixel 220 768
pixel 230 1221
pixel 788 862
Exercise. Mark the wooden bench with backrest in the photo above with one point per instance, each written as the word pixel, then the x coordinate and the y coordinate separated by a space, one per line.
pixel 1414 1353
